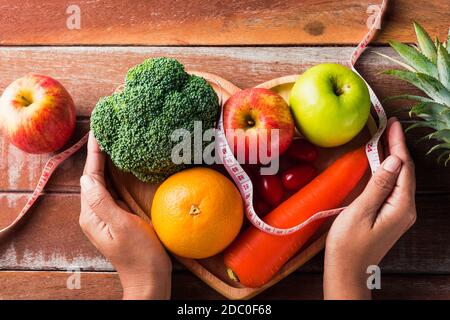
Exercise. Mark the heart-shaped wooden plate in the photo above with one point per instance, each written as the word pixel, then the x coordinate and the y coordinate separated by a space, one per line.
pixel 212 271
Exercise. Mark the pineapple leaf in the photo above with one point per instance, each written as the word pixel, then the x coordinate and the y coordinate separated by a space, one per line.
pixel 443 135
pixel 448 41
pixel 425 43
pixel 438 147
pixel 432 115
pixel 427 68
pixel 400 63
pixel 443 65
pixel 420 124
pixel 442 156
pixel 408 97
pixel 403 75
pixel 432 87
pixel 426 137
pixel 414 58
pixel 436 42
pixel 430 109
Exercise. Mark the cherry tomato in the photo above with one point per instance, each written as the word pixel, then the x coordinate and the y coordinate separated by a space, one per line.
pixel 261 207
pixel 302 149
pixel 270 188
pixel 298 176
pixel 287 162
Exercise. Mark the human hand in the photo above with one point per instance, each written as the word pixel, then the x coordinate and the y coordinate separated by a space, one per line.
pixel 127 241
pixel 366 230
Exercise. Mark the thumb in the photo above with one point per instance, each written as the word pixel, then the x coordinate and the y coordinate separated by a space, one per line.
pixel 98 198
pixel 380 185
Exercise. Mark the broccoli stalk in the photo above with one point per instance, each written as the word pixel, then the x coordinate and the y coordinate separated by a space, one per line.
pixel 134 126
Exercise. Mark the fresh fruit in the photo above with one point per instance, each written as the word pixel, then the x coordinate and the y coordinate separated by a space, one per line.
pixel 255 256
pixel 261 207
pixel 330 104
pixel 270 188
pixel 37 114
pixel 428 66
pixel 287 162
pixel 197 213
pixel 257 112
pixel 299 176
pixel 302 149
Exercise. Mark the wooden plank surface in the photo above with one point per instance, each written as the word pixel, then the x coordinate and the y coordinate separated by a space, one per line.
pixel 50 238
pixel 91 72
pixel 93 285
pixel 47 241
pixel 211 22
pixel 88 76
pixel 20 171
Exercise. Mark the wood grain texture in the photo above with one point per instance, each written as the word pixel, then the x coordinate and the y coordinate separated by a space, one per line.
pixel 185 286
pixel 20 171
pixel 213 22
pixel 51 239
pixel 28 285
pixel 92 72
pixel 88 76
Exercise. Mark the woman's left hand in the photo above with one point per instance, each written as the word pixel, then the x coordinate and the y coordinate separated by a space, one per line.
pixel 126 240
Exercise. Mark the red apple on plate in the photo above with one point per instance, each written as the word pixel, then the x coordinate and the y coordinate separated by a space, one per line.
pixel 259 116
pixel 37 114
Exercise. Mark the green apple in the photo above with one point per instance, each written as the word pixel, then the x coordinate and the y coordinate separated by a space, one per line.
pixel 330 104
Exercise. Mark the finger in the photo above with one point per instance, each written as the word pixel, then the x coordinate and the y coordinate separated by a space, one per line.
pixel 397 146
pixel 93 227
pixel 397 142
pixel 97 198
pixel 390 121
pixel 95 160
pixel 379 187
pixel 398 213
pixel 123 205
pixel 385 139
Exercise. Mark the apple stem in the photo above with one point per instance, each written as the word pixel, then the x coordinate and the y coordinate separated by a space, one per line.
pixel 27 102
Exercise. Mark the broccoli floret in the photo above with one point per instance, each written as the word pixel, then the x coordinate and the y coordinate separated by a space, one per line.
pixel 162 74
pixel 134 126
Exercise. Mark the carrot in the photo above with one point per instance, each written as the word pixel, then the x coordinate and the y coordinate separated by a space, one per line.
pixel 255 256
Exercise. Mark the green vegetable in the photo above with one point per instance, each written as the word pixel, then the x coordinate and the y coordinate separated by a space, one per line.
pixel 135 125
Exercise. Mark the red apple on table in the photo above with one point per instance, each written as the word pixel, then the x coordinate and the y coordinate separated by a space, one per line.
pixel 37 114
pixel 256 112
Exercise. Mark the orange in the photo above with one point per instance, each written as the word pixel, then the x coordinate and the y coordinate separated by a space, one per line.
pixel 197 213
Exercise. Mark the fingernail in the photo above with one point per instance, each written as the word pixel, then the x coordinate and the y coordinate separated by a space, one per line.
pixel 392 164
pixel 86 182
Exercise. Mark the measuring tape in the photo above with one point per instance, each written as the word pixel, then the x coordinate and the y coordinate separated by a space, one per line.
pixel 236 172
pixel 47 172
pixel 242 180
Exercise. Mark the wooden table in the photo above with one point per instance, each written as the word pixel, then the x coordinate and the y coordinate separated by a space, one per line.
pixel 247 42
